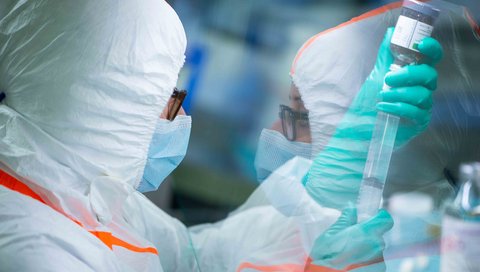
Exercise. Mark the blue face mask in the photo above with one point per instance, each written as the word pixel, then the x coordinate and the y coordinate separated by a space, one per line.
pixel 274 150
pixel 167 149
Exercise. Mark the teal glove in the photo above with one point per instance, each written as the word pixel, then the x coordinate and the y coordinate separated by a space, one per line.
pixel 410 93
pixel 347 244
pixel 335 175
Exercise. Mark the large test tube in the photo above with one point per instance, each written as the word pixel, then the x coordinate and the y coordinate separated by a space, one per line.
pixel 414 24
pixel 376 167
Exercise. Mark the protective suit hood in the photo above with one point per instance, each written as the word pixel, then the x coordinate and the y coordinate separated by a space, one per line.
pixel 338 72
pixel 85 83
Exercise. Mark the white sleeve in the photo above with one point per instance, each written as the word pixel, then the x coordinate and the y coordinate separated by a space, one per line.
pixel 34 237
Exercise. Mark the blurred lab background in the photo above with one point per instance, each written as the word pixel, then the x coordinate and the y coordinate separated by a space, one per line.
pixel 237 73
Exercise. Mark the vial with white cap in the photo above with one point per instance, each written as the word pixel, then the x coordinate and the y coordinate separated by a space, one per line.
pixel 411 213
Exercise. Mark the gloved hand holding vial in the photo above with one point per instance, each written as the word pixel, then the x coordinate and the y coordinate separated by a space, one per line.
pixel 410 45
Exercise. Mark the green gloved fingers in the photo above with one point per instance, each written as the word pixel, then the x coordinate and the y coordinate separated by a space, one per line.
pixel 410 95
pixel 412 103
pixel 418 116
pixel 419 96
pixel 413 75
pixel 431 49
pixel 346 243
pixel 411 91
pixel 347 218
pixel 379 224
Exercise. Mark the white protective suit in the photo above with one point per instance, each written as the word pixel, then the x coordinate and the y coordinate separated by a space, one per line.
pixel 85 83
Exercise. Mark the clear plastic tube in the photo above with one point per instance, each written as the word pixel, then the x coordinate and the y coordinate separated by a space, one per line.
pixel 376 167
pixel 378 161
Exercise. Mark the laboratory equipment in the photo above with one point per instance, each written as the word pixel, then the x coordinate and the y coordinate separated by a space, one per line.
pixel 414 24
pixel 461 224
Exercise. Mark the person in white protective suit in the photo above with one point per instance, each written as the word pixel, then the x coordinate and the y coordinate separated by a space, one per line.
pixel 84 84
pixel 426 163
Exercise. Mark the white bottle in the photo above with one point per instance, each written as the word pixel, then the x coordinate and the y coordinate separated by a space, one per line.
pixel 414 227
pixel 460 250
pixel 411 213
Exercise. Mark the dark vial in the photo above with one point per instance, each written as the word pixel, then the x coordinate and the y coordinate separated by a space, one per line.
pixel 413 25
